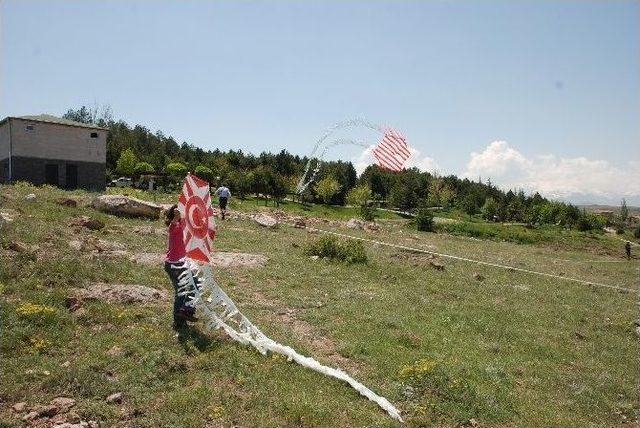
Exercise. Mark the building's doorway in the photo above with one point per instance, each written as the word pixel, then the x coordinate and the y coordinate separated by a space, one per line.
pixel 72 176
pixel 51 174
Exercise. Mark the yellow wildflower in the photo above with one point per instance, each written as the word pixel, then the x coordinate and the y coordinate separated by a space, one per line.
pixel 216 412
pixel 31 309
pixel 419 369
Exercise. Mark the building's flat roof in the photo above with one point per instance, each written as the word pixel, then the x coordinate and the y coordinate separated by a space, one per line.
pixel 47 118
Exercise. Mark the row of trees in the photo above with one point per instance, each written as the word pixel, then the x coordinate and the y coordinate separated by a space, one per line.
pixel 135 150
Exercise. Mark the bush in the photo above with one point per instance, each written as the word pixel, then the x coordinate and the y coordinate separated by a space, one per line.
pixel 332 248
pixel 204 172
pixel 636 231
pixel 359 196
pixel 590 222
pixel 424 220
pixel 354 252
pixel 368 212
pixel 176 170
pixel 143 168
pixel 127 161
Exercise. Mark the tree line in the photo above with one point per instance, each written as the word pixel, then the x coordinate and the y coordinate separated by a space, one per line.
pixel 135 151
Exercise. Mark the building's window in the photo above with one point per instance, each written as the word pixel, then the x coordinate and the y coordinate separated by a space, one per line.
pixel 94 135
pixel 30 128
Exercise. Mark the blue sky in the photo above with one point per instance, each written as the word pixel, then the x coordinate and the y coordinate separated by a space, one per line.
pixel 540 95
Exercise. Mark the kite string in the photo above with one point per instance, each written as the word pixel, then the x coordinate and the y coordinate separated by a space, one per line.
pixel 465 259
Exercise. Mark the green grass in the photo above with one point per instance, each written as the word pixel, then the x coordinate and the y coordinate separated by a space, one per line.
pixel 512 350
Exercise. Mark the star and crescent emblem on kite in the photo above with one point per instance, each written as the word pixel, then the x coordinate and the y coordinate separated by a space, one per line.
pixel 194 204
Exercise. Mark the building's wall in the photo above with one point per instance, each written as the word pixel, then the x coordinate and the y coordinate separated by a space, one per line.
pixel 4 152
pixel 4 170
pixel 91 175
pixel 55 141
pixel 4 140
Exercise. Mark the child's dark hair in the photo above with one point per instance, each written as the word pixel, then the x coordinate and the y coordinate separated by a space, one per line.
pixel 169 214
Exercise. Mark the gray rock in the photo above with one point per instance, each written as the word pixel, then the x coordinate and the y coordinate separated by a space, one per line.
pixel 41 412
pixel 63 403
pixel 19 407
pixel 30 196
pixel 115 398
pixel 8 215
pixel 436 265
pixel 125 206
pixel 266 221
pixel 354 223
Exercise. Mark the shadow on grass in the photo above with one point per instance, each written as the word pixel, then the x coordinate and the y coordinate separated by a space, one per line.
pixel 191 339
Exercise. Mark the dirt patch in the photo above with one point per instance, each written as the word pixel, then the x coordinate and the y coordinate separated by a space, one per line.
pixel 57 413
pixel 93 246
pixel 414 258
pixel 238 260
pixel 149 230
pixel 123 293
pixel 149 259
pixel 86 221
pixel 304 331
pixel 220 259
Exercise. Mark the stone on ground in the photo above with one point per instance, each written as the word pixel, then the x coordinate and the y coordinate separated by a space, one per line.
pixel 63 403
pixel 372 227
pixel 115 398
pixel 19 407
pixel 266 220
pixel 125 206
pixel 354 223
pixel 19 247
pixel 93 246
pixel 436 265
pixel 123 293
pixel 7 215
pixel 86 221
pixel 41 412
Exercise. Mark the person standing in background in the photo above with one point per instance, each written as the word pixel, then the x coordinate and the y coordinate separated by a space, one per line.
pixel 223 194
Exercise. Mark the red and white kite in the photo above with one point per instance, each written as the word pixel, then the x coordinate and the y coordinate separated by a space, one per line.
pixel 194 205
pixel 392 151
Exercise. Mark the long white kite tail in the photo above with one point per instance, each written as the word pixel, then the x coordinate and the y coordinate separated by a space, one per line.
pixel 198 284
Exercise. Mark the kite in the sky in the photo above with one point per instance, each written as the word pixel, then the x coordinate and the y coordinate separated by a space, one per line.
pixel 391 152
pixel 198 284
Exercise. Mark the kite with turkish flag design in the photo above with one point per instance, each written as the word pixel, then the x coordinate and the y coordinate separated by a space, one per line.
pixel 194 204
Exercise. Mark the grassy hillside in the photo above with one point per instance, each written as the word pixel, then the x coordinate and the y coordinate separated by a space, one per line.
pixel 460 345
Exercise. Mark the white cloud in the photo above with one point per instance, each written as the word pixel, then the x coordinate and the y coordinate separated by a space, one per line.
pixel 423 163
pixel 572 178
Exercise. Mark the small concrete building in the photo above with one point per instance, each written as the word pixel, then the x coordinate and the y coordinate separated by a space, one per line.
pixel 46 149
